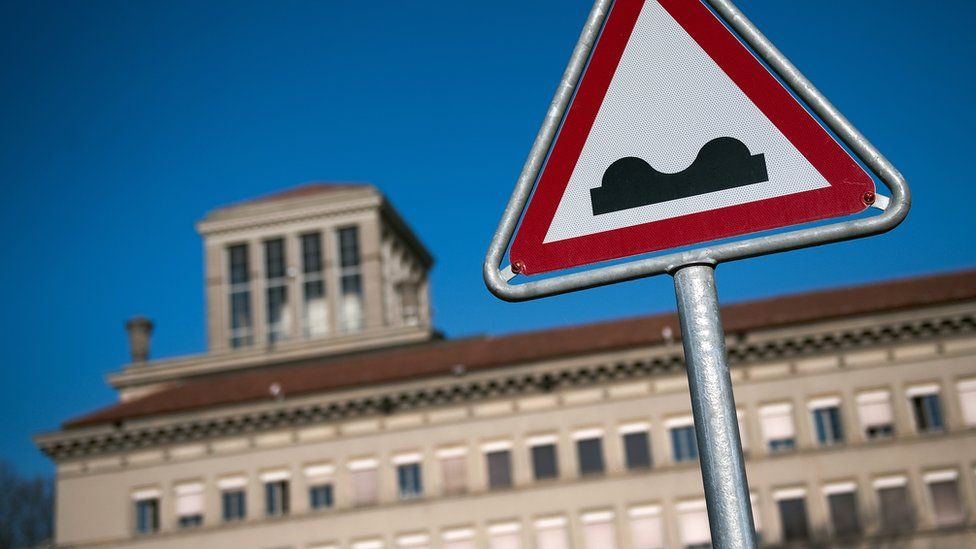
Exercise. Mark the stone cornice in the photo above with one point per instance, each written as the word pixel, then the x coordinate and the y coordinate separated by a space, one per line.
pixel 514 381
pixel 359 200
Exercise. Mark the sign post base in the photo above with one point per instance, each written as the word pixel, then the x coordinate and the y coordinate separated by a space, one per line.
pixel 716 424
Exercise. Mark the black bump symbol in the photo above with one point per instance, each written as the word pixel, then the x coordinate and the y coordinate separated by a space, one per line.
pixel 723 163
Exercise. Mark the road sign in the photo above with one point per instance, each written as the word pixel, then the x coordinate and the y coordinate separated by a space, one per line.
pixel 676 134
pixel 658 94
pixel 679 135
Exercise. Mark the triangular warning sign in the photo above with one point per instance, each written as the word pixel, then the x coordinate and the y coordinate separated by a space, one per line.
pixel 678 135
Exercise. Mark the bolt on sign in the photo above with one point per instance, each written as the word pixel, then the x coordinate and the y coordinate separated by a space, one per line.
pixel 678 139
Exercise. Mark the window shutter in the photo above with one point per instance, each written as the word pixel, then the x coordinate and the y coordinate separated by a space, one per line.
pixel 874 408
pixel 551 534
pixel 967 399
pixel 693 523
pixel 505 536
pixel 364 486
pixel 189 500
pixel 455 474
pixel 777 421
pixel 946 502
pixel 646 529
pixel 598 531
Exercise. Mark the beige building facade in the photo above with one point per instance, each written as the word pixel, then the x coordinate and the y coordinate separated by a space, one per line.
pixel 327 412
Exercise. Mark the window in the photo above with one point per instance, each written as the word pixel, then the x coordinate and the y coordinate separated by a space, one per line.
pixel 545 464
pixel 842 505
pixel 315 309
pixel 646 528
pixel 967 400
pixel 350 280
pixel 320 496
pixel 498 457
pixel 318 478
pixel 637 445
pixel 189 505
pixel 409 293
pixel 894 504
pixel 147 511
pixel 232 498
pixel 926 407
pixel 793 514
pixel 777 427
pixel 276 502
pixel 239 276
pixel 946 501
pixel 409 476
pixel 413 541
pixel 693 524
pixel 826 421
pixel 276 286
pixel 505 536
pixel 684 445
pixel 589 451
pixel 454 470
pixel 459 538
pixel 598 530
pixel 550 533
pixel 365 485
pixel 874 409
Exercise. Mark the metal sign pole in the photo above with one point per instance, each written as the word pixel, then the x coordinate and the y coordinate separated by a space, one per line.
pixel 716 423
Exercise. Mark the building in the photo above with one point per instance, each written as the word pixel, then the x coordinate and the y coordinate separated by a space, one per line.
pixel 328 413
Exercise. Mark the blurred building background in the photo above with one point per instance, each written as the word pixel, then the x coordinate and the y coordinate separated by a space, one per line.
pixel 329 413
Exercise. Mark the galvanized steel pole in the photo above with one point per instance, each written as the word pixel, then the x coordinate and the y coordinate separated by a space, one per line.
pixel 716 424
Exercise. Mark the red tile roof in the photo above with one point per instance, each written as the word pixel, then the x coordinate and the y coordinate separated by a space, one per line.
pixel 481 353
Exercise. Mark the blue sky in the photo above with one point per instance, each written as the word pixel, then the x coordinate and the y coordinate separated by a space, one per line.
pixel 124 122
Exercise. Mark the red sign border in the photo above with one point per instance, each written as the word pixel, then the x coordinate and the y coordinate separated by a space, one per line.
pixel 849 183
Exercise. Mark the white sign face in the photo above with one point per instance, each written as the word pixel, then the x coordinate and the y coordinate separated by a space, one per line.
pixel 667 99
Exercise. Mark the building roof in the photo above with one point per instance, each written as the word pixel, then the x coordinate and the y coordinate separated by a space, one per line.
pixel 306 190
pixel 439 358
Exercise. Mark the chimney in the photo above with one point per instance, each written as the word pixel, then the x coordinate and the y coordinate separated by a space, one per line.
pixel 139 328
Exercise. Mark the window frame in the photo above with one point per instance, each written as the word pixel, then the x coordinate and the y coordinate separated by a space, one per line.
pixel 686 425
pixel 947 477
pixel 498 448
pixel 141 499
pixel 182 492
pixel 966 394
pixel 357 468
pixel 769 411
pixel 875 398
pixel 831 492
pixel 925 394
pixel 240 337
pixel 590 440
pixel 783 497
pixel 453 454
pixel 311 276
pixel 639 514
pixel 409 475
pixel 627 432
pixel 232 486
pixel 352 271
pixel 537 443
pixel 899 523
pixel 827 431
